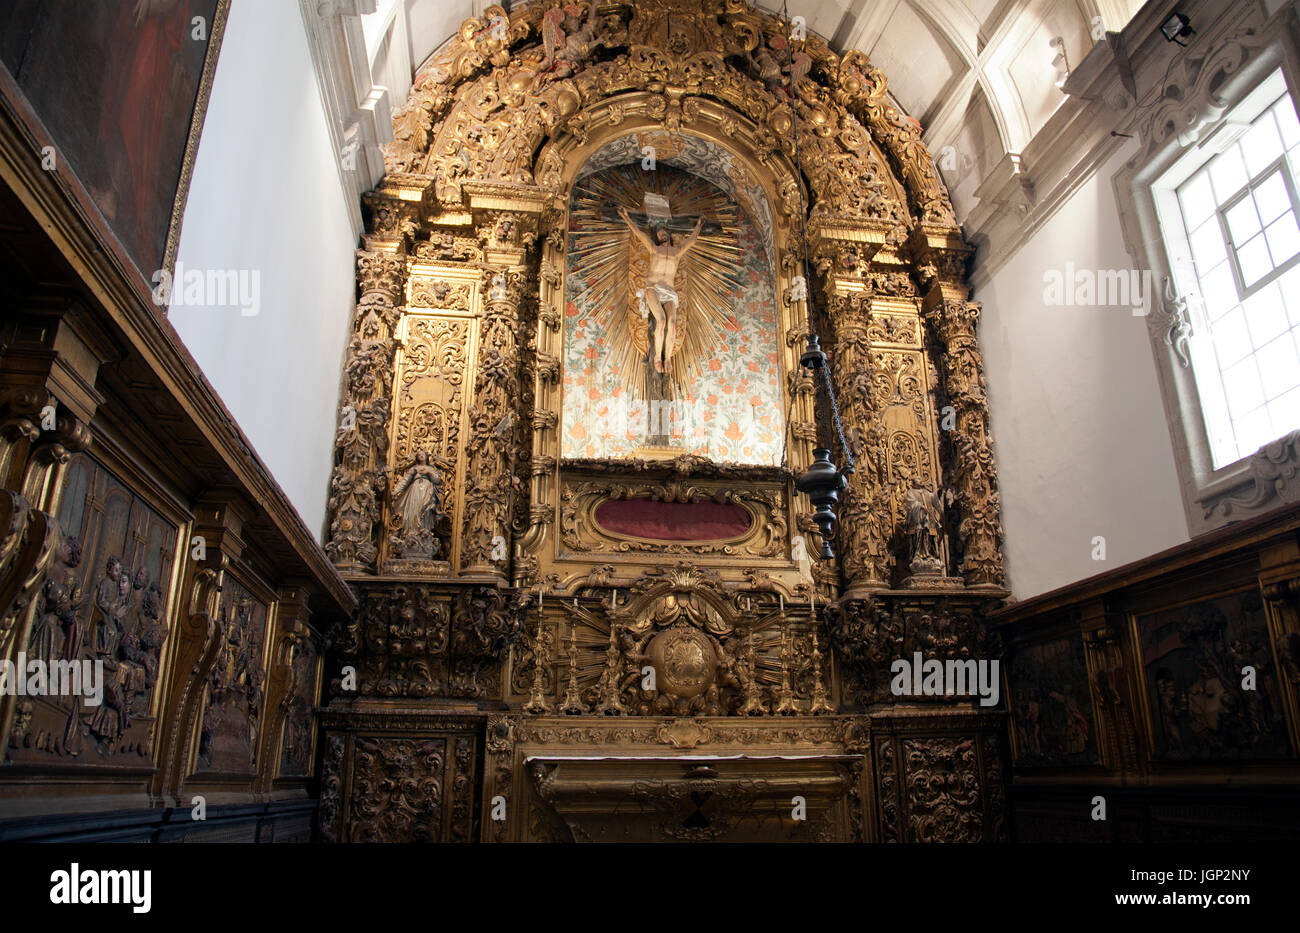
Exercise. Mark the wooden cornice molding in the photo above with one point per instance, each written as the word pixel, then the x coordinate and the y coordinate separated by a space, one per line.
pixel 1258 534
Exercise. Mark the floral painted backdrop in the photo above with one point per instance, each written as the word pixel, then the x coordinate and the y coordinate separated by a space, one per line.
pixel 734 414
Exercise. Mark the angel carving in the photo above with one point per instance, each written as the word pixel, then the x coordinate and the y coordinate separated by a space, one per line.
pixel 776 66
pixel 661 287
pixel 566 37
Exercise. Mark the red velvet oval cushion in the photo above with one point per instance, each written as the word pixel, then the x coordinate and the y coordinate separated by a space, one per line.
pixel 673 521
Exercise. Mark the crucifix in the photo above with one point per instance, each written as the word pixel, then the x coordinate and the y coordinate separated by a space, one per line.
pixel 659 297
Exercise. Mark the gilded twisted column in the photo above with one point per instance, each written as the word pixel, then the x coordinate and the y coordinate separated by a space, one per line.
pixel 862 531
pixel 952 321
pixel 492 476
pixel 360 474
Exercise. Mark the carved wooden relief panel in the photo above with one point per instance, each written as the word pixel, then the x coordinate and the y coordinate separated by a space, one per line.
pixel 105 602
pixel 297 745
pixel 234 704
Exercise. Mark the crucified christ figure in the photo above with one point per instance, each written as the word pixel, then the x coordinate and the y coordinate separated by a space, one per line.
pixel 660 289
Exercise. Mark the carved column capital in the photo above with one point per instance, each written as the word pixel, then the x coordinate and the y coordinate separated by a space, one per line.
pixel 381 275
pixel 505 286
pixel 941 257
pixel 50 355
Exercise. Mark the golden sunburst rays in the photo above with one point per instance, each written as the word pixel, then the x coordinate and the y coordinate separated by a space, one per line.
pixel 612 266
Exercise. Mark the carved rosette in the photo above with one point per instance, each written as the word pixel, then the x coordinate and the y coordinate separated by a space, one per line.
pixel 974 474
pixel 360 474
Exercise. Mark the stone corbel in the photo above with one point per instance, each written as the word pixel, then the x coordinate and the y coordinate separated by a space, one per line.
pixel 1006 192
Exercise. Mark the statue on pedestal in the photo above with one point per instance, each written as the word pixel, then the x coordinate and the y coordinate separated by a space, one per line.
pixel 417 505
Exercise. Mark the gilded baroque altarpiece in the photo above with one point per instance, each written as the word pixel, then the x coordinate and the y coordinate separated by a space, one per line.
pixel 630 639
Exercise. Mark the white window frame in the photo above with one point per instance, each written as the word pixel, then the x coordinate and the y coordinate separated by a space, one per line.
pixel 1240 52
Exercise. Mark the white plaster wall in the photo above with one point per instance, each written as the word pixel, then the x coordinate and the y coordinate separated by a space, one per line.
pixel 266 197
pixel 1081 441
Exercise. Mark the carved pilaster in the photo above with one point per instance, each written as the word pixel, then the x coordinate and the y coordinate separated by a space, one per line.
pixel 493 478
pixel 1108 677
pixel 292 633
pixel 360 474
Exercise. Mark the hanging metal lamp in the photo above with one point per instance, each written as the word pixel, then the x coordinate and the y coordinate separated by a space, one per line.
pixel 823 481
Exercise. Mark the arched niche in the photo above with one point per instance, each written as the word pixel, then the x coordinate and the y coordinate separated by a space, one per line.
pixel 486 155
pixel 724 395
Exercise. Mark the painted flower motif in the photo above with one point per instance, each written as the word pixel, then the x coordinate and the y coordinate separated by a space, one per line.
pixel 740 415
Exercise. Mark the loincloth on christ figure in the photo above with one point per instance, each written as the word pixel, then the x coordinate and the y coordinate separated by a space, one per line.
pixel 665 294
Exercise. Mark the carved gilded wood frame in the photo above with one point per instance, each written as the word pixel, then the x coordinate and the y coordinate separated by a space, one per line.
pixel 567 547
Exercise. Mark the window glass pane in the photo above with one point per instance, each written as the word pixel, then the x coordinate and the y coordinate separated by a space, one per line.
pixel 1284 412
pixel 1241 385
pixel 1243 223
pixel 1231 338
pixel 1228 174
pixel 1278 366
pixel 1245 351
pixel 1265 315
pixel 1220 291
pixel 1286 120
pixel 1261 145
pixel 1290 287
pixel 1254 261
pixel 1271 198
pixel 1254 430
pixel 1283 238
pixel 1197 200
pixel 1207 244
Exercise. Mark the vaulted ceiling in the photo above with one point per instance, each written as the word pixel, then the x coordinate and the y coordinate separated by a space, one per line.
pixel 980 75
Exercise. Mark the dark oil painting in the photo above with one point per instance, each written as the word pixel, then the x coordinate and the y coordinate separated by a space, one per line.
pixel 115 83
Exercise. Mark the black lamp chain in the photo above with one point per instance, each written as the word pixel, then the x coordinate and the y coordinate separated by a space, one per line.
pixel 803 233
